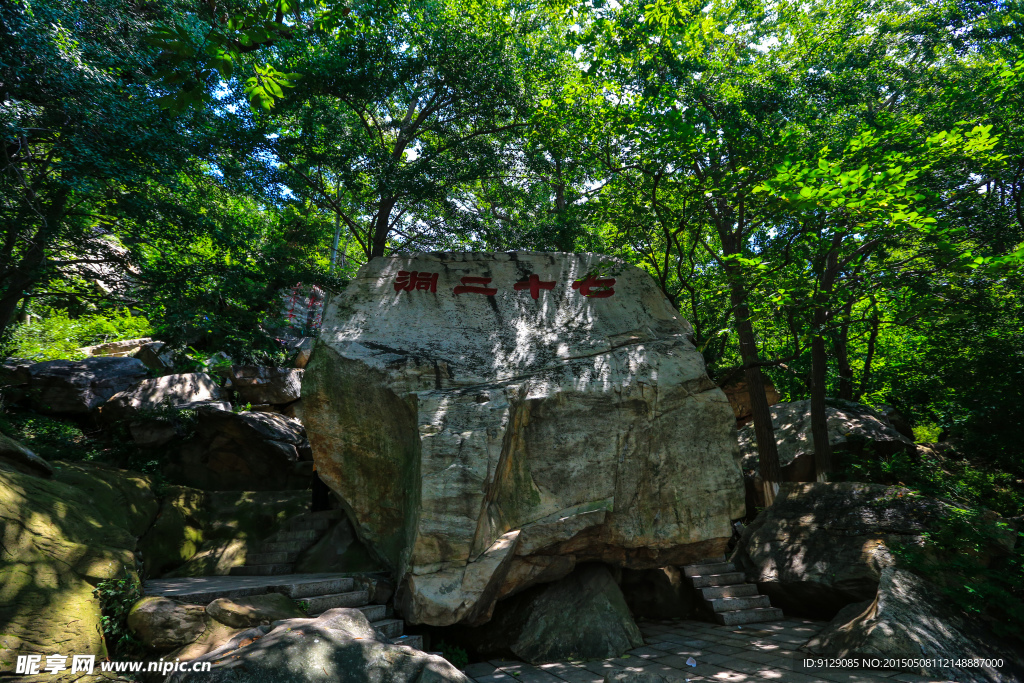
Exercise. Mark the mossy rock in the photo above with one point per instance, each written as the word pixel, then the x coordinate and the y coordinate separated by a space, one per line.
pixel 124 497
pixel 57 540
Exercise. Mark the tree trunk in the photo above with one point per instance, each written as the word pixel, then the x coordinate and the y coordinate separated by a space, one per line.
pixel 819 368
pixel 840 344
pixel 764 431
pixel 819 418
pixel 381 228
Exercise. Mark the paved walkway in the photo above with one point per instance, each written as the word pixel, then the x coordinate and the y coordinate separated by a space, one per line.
pixel 757 653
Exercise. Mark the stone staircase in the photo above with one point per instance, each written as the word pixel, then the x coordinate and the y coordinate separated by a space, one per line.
pixel 317 593
pixel 727 595
pixel 278 552
pixel 276 556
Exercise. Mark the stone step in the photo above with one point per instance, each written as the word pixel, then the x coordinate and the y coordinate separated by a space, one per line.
pixel 318 604
pixel 712 560
pixel 307 536
pixel 263 569
pixel 309 588
pixel 208 596
pixel 734 604
pixel 739 590
pixel 705 569
pixel 411 641
pixel 392 628
pixel 310 524
pixel 271 558
pixel 749 616
pixel 727 579
pixel 374 612
pixel 283 547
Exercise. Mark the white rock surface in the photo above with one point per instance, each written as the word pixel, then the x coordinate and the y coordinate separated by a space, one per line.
pixel 472 433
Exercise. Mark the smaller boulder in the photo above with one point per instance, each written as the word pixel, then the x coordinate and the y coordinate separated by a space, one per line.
pixel 162 624
pixel 160 393
pixel 340 644
pixel 263 385
pixel 156 356
pixel 582 616
pixel 77 387
pixel 254 610
pixel 16 457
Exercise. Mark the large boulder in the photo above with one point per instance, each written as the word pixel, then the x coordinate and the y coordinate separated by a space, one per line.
pixel 246 451
pixel 159 394
pixel 77 387
pixel 910 619
pixel 58 538
pixel 582 616
pixel 478 411
pixel 263 385
pixel 851 427
pixel 822 546
pixel 340 645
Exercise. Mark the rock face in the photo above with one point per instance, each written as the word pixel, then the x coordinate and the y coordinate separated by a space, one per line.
pixel 263 385
pixel 910 619
pixel 850 427
pixel 583 616
pixel 76 387
pixel 247 451
pixel 339 645
pixel 822 546
pixel 161 393
pixel 491 419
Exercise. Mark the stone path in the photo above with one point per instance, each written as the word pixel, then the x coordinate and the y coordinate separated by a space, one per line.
pixel 759 653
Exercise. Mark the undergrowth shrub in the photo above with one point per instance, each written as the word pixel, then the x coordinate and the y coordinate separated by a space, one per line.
pixel 116 598
pixel 58 336
pixel 969 557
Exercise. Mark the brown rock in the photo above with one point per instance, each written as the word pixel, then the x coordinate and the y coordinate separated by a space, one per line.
pixel 254 610
pixel 739 398
pixel 162 624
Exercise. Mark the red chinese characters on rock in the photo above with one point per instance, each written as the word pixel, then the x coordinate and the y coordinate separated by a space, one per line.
pixel 411 280
pixel 475 285
pixel 534 284
pixel 595 287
